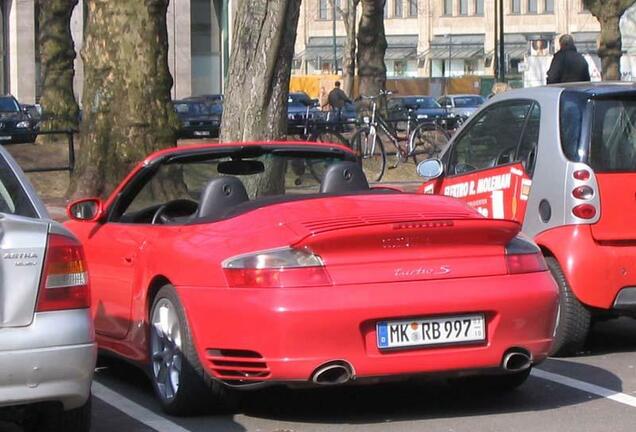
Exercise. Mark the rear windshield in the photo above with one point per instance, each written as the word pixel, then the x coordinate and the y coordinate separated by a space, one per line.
pixel 613 135
pixel 468 101
pixel 13 199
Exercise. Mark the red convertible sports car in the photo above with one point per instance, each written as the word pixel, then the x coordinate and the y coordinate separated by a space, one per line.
pixel 232 266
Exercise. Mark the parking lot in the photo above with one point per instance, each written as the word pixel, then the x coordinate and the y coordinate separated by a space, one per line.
pixel 593 392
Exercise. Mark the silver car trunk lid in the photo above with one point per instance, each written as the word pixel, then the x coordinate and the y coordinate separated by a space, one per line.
pixel 22 248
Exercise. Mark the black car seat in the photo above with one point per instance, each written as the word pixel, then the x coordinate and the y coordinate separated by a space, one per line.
pixel 343 177
pixel 220 195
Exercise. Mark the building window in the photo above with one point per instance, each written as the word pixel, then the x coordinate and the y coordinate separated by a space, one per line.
pixel 463 7
pixel 323 9
pixel 399 68
pixel 479 7
pixel 548 6
pixel 515 7
pixel 412 8
pixel 448 7
pixel 386 9
pixel 532 6
pixel 583 8
pixel 338 8
pixel 397 9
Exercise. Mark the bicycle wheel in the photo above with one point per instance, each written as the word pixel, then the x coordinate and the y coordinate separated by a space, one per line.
pixel 371 154
pixel 428 141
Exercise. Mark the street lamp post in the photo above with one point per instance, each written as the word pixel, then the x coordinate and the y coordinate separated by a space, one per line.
pixel 335 49
pixel 502 52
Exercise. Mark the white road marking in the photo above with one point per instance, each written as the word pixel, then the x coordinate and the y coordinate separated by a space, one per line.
pixel 134 410
pixel 586 387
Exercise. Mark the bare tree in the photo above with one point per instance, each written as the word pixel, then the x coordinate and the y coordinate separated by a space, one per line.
pixel 57 53
pixel 609 13
pixel 126 100
pixel 255 106
pixel 349 17
pixel 371 48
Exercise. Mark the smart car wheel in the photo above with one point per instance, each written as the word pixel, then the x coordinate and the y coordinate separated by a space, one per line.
pixel 574 319
pixel 177 375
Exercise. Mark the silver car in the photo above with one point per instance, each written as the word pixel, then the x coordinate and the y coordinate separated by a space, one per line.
pixel 462 105
pixel 47 343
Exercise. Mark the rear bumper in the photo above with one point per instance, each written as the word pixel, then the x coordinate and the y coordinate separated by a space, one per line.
pixel 596 272
pixel 53 359
pixel 260 335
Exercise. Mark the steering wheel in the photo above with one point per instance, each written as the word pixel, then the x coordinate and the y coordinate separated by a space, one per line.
pixel 505 156
pixel 185 207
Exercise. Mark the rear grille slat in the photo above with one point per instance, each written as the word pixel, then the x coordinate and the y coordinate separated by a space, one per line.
pixel 238 366
pixel 380 218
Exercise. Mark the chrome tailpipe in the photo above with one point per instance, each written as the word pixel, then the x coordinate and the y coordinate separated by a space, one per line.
pixel 332 373
pixel 516 360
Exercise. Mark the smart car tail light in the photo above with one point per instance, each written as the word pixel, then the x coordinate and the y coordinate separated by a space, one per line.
pixel 583 192
pixel 277 268
pixel 584 211
pixel 581 175
pixel 64 283
pixel 523 256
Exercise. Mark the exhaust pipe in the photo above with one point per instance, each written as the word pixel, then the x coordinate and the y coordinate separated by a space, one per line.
pixel 332 373
pixel 516 360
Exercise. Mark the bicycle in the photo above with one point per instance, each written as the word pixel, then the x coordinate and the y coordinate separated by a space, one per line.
pixel 318 129
pixel 424 140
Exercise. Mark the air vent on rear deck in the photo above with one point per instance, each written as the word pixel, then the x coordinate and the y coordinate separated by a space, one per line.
pixel 238 367
pixel 380 218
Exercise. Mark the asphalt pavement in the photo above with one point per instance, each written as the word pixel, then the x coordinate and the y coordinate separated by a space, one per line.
pixel 595 391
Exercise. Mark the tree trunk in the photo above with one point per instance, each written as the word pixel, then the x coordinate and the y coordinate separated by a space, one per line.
pixel 126 102
pixel 57 53
pixel 255 105
pixel 608 13
pixel 371 48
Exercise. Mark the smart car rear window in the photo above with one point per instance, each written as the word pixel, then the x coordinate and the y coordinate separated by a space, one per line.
pixel 613 137
pixel 571 113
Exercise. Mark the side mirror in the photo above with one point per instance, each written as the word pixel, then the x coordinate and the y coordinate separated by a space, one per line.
pixel 86 210
pixel 430 168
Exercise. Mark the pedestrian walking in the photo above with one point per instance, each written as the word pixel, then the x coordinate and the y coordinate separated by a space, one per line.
pixel 568 65
pixel 337 99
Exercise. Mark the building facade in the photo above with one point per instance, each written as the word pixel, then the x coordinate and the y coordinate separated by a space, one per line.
pixel 199 44
pixel 445 38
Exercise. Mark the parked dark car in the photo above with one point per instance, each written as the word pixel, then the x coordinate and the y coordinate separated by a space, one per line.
pixel 35 112
pixel 299 106
pixel 422 108
pixel 16 125
pixel 198 119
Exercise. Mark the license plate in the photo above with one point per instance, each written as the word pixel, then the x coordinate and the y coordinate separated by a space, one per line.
pixel 431 331
pixel 5 138
pixel 201 133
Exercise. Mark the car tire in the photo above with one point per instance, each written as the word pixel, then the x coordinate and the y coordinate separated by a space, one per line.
pixel 186 389
pixel 75 420
pixel 574 319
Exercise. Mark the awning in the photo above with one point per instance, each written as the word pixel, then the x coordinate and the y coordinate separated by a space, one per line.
pixel 323 53
pixel 400 53
pixel 454 52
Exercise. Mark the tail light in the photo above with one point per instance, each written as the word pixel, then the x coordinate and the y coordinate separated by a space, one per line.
pixel 64 283
pixel 278 268
pixel 523 256
pixel 581 175
pixel 584 211
pixel 583 192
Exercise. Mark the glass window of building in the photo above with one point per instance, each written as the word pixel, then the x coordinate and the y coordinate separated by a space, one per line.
pixel 412 8
pixel 323 9
pixel 205 36
pixel 397 9
pixel 479 7
pixel 532 6
pixel 448 7
pixel 548 6
pixel 463 7
pixel 515 7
